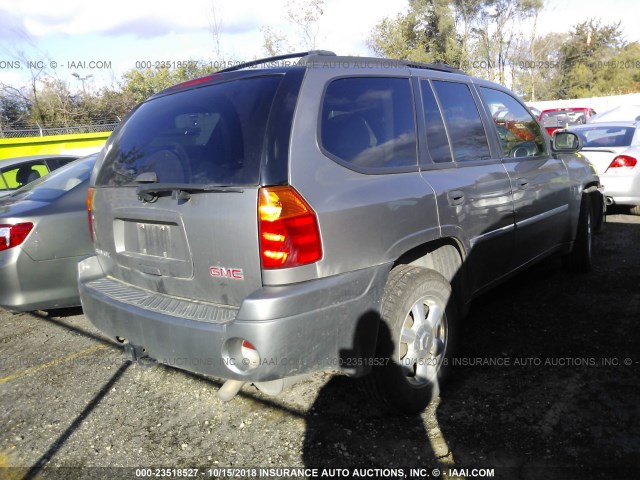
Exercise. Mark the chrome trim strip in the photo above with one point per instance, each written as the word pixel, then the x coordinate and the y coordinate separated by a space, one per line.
pixel 491 234
pixel 542 216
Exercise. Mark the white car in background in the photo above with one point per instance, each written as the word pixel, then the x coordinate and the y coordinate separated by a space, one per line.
pixel 614 150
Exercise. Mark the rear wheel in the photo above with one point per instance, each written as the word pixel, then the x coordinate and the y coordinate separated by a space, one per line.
pixel 635 210
pixel 580 258
pixel 598 212
pixel 415 339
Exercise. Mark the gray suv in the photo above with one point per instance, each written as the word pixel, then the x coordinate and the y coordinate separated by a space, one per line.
pixel 334 213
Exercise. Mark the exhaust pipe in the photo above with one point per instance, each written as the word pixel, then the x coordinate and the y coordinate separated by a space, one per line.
pixel 609 201
pixel 229 389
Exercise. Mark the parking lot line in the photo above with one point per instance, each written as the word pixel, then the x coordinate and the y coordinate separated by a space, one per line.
pixel 44 366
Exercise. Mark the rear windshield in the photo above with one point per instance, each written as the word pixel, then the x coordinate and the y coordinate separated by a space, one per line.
pixel 212 135
pixel 563 118
pixel 606 136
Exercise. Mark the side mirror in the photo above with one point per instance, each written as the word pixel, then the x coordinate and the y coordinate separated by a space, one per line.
pixel 565 142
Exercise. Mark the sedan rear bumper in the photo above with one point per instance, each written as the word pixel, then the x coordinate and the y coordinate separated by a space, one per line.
pixel 27 284
pixel 622 189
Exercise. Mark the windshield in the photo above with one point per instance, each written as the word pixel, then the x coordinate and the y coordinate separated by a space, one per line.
pixel 211 135
pixel 56 183
pixel 606 136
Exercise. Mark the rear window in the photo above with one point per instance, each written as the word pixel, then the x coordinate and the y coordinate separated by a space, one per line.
pixel 563 118
pixel 212 135
pixel 368 123
pixel 606 136
pixel 462 119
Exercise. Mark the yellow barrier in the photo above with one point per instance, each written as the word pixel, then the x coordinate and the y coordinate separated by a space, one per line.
pixel 74 144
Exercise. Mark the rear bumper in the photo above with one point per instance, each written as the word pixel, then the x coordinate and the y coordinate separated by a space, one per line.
pixel 330 323
pixel 27 284
pixel 622 189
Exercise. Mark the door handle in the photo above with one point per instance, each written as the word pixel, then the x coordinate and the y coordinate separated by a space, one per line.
pixel 456 197
pixel 522 183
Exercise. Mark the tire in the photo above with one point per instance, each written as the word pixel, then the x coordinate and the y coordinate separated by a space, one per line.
pixel 411 356
pixel 580 258
pixel 598 212
pixel 635 210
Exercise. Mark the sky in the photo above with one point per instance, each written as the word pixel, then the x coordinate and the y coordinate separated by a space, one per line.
pixel 99 41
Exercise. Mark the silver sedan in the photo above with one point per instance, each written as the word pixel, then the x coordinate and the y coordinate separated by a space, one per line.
pixel 614 150
pixel 44 232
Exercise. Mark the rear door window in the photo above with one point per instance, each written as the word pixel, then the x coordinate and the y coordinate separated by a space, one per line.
pixel 437 141
pixel 368 123
pixel 462 119
pixel 208 135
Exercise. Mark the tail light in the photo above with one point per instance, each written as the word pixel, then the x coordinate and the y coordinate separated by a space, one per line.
pixel 13 235
pixel 289 233
pixel 623 161
pixel 90 195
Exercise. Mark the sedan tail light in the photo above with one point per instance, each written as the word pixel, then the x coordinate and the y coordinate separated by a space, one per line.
pixel 289 233
pixel 13 235
pixel 623 161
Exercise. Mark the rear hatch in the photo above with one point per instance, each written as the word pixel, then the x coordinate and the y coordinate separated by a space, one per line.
pixel 175 199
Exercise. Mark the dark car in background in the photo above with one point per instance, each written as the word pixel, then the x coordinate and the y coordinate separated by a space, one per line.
pixel 556 118
pixel 43 234
pixel 17 172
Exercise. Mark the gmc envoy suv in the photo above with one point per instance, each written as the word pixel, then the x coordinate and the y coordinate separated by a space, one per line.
pixel 331 213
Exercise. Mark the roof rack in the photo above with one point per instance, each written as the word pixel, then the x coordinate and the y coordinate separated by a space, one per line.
pixel 441 67
pixel 277 58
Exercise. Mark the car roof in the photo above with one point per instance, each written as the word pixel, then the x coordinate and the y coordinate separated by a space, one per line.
pixel 9 162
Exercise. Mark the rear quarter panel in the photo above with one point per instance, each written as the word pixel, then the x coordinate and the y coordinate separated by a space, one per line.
pixel 365 219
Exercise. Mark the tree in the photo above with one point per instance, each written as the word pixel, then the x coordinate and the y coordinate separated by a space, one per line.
pixel 274 42
pixel 217 28
pixel 14 109
pixel 304 15
pixel 585 58
pixel 479 36
pixel 141 84
pixel 537 67
pixel 426 33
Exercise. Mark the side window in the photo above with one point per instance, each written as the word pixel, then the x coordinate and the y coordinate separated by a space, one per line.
pixel 25 173
pixel 437 140
pixel 369 122
pixel 520 135
pixel 464 125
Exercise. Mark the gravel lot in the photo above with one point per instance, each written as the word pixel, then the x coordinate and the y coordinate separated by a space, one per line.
pixel 547 385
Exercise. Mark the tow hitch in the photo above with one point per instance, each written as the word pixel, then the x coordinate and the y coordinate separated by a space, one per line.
pixel 134 352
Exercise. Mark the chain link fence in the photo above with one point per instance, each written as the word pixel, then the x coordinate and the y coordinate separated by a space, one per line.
pixel 37 131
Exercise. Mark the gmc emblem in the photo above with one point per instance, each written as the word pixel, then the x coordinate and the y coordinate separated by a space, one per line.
pixel 222 272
